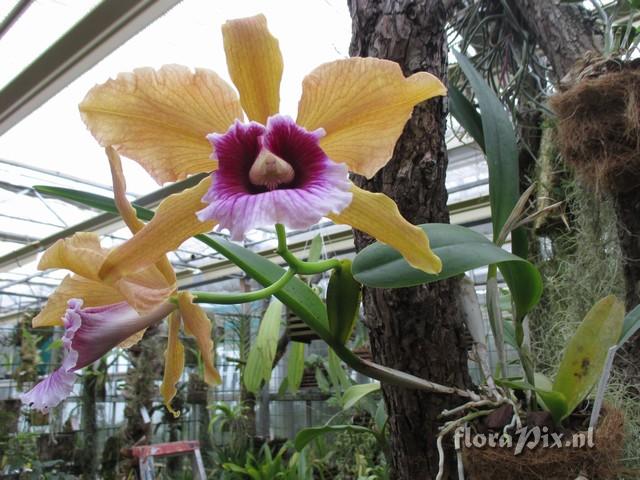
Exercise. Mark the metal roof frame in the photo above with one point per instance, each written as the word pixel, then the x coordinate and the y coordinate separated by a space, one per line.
pixel 96 35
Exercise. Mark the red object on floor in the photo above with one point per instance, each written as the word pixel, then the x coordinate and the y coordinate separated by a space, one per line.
pixel 145 454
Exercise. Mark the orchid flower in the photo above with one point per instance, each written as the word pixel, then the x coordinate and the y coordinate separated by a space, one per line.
pixel 117 313
pixel 266 168
pixel 89 334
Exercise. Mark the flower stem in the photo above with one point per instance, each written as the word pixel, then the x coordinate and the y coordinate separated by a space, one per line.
pixel 235 298
pixel 302 267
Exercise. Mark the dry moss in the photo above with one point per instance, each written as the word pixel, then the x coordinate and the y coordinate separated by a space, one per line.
pixel 599 125
pixel 600 462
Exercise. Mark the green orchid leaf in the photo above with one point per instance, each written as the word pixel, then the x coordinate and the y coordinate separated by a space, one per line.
pixel 296 295
pixel 295 366
pixel 509 333
pixel 56 344
pixel 337 375
pixel 525 285
pixel 260 362
pixel 380 418
pixel 343 302
pixel 543 383
pixel 553 402
pixel 501 149
pixel 284 386
pixel 460 249
pixel 321 379
pixel 307 435
pixel 466 114
pixel 631 324
pixel 355 393
pixel 99 202
pixel 232 467
pixel 586 353
pixel 315 250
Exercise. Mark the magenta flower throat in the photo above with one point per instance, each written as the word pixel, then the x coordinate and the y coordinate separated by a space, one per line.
pixel 273 174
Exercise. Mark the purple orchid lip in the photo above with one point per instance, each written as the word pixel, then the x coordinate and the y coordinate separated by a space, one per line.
pixel 89 333
pixel 273 174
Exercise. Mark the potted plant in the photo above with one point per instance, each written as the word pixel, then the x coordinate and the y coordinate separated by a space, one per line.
pixel 548 429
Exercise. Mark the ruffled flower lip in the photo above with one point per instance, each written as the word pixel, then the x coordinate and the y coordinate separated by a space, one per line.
pixel 273 174
pixel 89 333
pixel 56 387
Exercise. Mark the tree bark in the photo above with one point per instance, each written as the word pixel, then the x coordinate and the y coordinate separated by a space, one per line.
pixel 89 424
pixel 627 206
pixel 417 330
pixel 562 30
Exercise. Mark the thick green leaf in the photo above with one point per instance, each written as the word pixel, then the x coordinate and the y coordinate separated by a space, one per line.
pixel 461 249
pixel 315 250
pixel 380 418
pixel 466 114
pixel 337 375
pixel 232 467
pixel 343 301
pixel 543 383
pixel 586 352
pixel 323 383
pixel 296 294
pixel 260 361
pixel 525 284
pixel 295 366
pixel 630 326
pixel 554 402
pixel 355 393
pixel 93 200
pixel 501 147
pixel 284 386
pixel 509 333
pixel 307 435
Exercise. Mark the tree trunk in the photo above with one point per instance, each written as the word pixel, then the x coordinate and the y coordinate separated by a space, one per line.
pixel 627 206
pixel 562 30
pixel 89 424
pixel 417 330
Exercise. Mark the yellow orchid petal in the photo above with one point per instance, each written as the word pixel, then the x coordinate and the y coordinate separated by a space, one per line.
pixel 174 222
pixel 198 325
pixel 173 363
pixel 91 292
pixel 144 290
pixel 81 253
pixel 378 215
pixel 255 65
pixel 160 118
pixel 127 211
pixel 132 340
pixel 363 105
